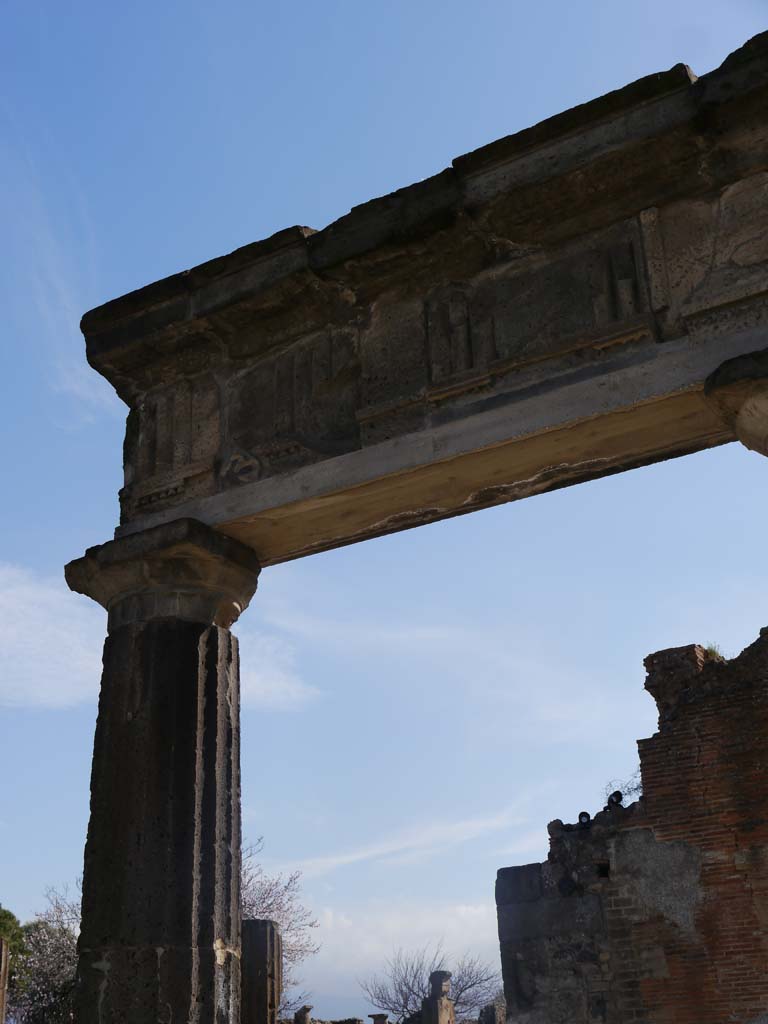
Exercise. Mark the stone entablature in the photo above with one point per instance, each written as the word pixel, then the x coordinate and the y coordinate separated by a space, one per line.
pixel 544 311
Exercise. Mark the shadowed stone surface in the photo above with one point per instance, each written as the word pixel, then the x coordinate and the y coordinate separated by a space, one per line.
pixel 160 938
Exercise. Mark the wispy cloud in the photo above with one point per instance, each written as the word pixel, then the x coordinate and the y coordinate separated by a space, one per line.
pixel 54 260
pixel 423 840
pixel 533 843
pixel 363 633
pixel 52 641
pixel 269 678
pixel 357 940
pixel 529 686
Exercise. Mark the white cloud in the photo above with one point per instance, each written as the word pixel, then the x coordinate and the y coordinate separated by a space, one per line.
pixel 356 941
pixel 56 283
pixel 52 641
pixel 419 841
pixel 362 634
pixel 534 844
pixel 268 677
pixel 73 377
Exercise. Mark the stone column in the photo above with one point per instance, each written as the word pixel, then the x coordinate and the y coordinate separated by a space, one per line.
pixel 303 1015
pixel 438 1007
pixel 261 968
pixel 492 1013
pixel 160 937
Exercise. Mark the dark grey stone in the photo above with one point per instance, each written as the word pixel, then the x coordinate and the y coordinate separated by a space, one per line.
pixel 160 937
pixel 261 968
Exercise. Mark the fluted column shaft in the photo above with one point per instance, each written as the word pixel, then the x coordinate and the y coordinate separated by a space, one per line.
pixel 160 936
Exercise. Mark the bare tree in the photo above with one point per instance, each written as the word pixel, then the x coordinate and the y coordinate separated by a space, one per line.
pixel 405 982
pixel 630 789
pixel 278 898
pixel 64 907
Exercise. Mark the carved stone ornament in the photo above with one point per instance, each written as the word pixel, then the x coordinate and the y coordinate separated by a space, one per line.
pixel 181 570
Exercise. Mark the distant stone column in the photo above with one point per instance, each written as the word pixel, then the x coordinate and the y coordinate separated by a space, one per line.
pixel 492 1013
pixel 5 956
pixel 303 1015
pixel 261 967
pixel 160 938
pixel 438 1008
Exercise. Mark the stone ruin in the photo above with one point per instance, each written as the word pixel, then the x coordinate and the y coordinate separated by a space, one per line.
pixel 437 1007
pixel 583 297
pixel 658 912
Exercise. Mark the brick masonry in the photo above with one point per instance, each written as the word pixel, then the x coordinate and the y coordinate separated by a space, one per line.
pixel 657 912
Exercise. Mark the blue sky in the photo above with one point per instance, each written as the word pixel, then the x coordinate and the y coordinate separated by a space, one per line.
pixel 417 708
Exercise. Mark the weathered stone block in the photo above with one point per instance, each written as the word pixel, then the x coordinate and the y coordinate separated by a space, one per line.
pixel 518 885
pixel 261 967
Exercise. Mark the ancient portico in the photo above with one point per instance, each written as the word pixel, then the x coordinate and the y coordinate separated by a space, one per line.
pixel 581 298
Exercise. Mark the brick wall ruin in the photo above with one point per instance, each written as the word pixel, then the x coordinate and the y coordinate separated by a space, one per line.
pixel 657 912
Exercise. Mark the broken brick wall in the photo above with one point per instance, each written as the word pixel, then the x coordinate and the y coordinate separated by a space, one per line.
pixel 658 912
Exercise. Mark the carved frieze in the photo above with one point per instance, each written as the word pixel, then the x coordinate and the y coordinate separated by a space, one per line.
pixel 465 336
pixel 575 299
pixel 394 369
pixel 412 352
pixel 460 340
pixel 292 408
pixel 171 444
pixel 716 253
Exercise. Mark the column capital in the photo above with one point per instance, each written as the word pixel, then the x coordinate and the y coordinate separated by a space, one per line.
pixel 179 570
pixel 738 389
